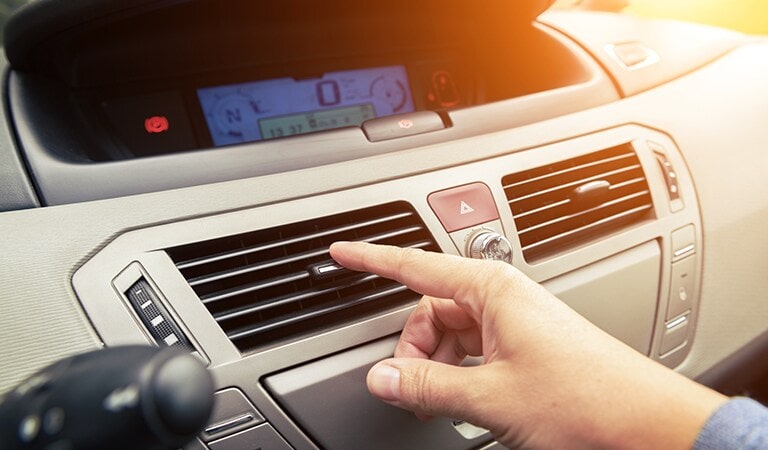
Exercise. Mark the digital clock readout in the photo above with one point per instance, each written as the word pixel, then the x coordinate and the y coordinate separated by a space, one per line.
pixel 275 127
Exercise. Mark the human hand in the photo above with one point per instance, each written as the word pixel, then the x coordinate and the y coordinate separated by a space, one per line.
pixel 550 379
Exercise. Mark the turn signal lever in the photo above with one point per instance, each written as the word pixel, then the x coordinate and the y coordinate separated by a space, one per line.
pixel 117 398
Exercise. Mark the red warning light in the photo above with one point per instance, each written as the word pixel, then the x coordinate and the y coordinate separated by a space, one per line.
pixel 156 124
pixel 445 89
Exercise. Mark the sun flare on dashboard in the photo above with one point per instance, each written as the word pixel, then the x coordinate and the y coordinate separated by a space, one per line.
pixel 749 16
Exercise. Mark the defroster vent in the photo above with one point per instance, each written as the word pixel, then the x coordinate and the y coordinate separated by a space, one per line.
pixel 280 283
pixel 559 206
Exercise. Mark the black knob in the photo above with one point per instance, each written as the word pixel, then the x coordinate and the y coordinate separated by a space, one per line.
pixel 177 390
pixel 118 398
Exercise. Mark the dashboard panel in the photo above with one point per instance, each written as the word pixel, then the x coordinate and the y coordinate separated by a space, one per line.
pixel 97 129
pixel 232 237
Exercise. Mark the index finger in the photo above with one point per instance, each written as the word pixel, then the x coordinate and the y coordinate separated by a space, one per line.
pixel 466 281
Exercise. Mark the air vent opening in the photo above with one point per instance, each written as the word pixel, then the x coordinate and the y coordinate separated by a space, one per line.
pixel 570 203
pixel 263 287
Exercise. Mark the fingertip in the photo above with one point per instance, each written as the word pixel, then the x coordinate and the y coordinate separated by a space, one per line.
pixel 340 250
pixel 339 245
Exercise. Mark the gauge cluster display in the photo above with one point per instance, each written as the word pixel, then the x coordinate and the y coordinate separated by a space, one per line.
pixel 281 107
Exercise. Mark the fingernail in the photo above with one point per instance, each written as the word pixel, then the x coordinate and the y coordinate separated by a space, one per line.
pixel 384 382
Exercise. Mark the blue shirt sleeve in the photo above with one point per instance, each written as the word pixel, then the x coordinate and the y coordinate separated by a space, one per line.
pixel 741 423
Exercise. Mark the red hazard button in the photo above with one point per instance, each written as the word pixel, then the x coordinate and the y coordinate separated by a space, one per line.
pixel 463 206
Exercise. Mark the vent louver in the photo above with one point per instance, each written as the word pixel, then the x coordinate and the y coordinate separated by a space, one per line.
pixel 280 283
pixel 572 202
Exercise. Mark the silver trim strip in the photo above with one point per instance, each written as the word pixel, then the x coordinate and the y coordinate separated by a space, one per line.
pixel 231 423
pixel 685 250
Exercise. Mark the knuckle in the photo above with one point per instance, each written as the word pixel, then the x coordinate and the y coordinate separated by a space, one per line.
pixel 408 257
pixel 498 274
pixel 423 394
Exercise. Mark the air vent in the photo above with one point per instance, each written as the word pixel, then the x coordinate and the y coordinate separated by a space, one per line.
pixel 280 283
pixel 572 202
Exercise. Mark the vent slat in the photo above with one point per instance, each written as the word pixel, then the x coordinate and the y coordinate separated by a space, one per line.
pixel 262 287
pixel 596 225
pixel 563 174
pixel 565 217
pixel 551 217
pixel 296 240
pixel 247 289
pixel 574 181
pixel 556 210
pixel 311 314
pixel 521 200
pixel 255 267
pixel 550 206
pixel 324 252
pixel 294 298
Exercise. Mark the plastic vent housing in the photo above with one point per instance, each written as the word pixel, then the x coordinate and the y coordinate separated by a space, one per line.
pixel 280 283
pixel 562 205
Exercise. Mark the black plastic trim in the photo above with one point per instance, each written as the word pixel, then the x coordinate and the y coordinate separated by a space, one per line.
pixel 40 21
pixel 16 189
pixel 43 22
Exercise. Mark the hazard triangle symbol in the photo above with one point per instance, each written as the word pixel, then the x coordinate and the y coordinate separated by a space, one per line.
pixel 466 209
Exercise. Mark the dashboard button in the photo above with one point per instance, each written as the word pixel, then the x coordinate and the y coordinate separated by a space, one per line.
pixel 232 412
pixel 463 206
pixel 683 242
pixel 401 125
pixel 262 437
pixel 682 287
pixel 675 335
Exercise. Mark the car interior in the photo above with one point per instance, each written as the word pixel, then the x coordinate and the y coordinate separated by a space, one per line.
pixel 174 172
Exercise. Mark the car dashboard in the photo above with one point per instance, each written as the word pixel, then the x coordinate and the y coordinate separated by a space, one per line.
pixel 174 173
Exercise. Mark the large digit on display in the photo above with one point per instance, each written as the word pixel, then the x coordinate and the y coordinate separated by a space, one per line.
pixel 328 93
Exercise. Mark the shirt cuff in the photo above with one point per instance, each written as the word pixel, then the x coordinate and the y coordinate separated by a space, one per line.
pixel 741 423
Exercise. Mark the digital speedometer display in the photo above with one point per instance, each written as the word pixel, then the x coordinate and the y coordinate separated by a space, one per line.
pixel 286 106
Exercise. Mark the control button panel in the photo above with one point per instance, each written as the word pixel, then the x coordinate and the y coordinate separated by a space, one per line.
pixel 464 206
pixel 671 177
pixel 682 286
pixel 682 296
pixel 155 317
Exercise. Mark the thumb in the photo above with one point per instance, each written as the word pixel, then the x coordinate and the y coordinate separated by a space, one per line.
pixel 425 387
